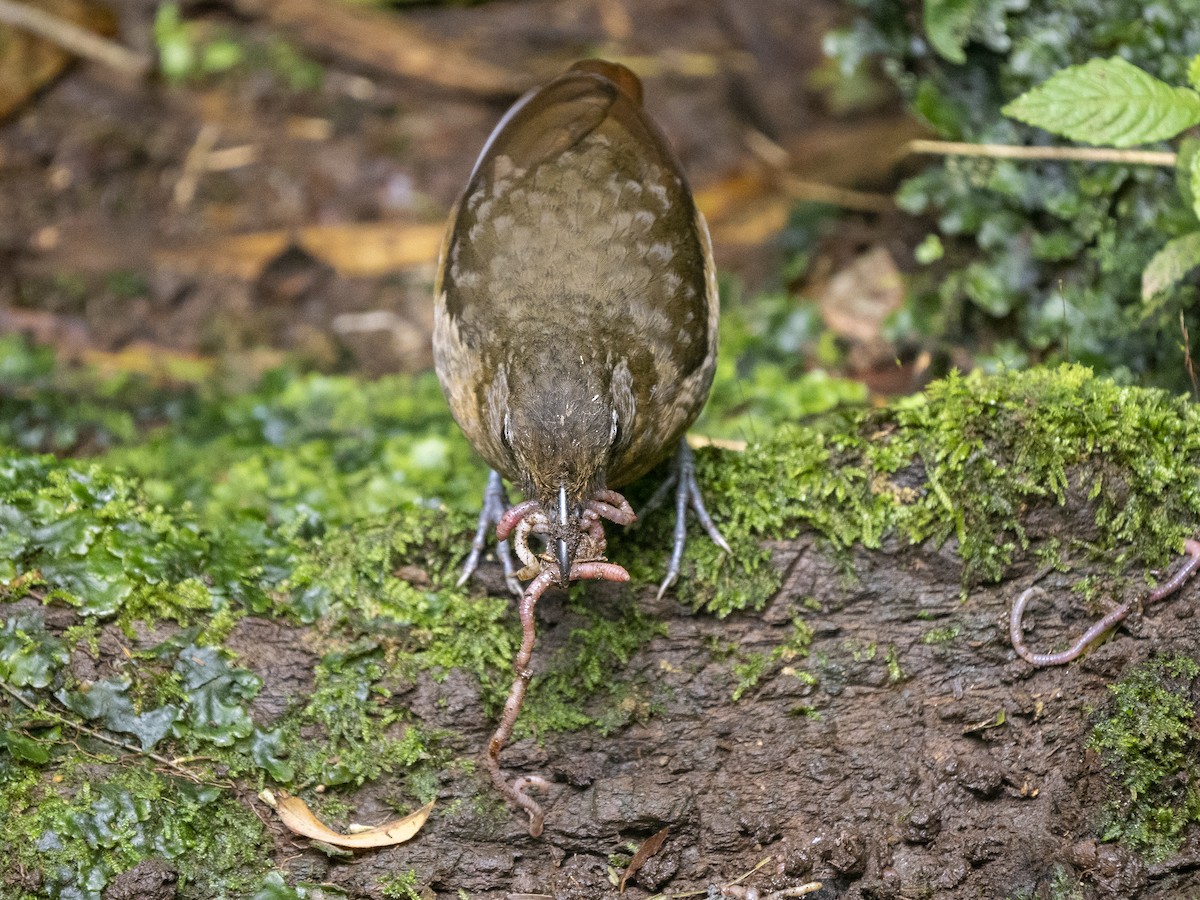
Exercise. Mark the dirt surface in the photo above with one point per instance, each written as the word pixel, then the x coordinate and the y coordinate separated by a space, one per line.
pixel 967 776
pixel 124 199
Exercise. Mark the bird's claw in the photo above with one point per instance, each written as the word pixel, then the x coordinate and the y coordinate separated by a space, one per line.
pixel 495 505
pixel 687 493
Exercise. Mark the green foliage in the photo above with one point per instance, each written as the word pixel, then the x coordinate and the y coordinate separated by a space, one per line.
pixel 353 734
pixel 579 689
pixel 29 656
pixel 963 461
pixel 1150 747
pixel 193 51
pixel 401 886
pixel 1108 101
pixel 91 539
pixel 183 53
pixel 1170 265
pixel 762 380
pixel 1042 257
pixel 94 822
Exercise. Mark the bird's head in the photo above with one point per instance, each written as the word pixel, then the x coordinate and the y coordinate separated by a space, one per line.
pixel 562 436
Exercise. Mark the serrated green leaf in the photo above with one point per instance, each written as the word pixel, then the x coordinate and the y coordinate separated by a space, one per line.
pixel 1170 264
pixel 948 24
pixel 1193 72
pixel 1107 101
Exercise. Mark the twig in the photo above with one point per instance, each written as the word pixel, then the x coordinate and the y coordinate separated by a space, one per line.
pixel 195 164
pixel 779 159
pixel 101 736
pixel 73 38
pixel 1072 154
pixel 815 192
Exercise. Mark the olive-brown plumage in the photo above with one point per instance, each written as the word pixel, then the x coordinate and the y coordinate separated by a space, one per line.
pixel 576 318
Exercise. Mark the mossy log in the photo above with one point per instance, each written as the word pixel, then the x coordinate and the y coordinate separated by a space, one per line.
pixel 838 696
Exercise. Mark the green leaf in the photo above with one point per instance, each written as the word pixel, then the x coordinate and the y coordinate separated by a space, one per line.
pixel 1193 72
pixel 29 656
pixel 109 702
pixel 1107 101
pixel 265 748
pixel 1188 149
pixel 948 25
pixel 1170 264
pixel 216 692
pixel 24 748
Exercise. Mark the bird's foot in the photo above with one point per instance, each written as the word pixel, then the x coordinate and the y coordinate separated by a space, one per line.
pixel 1016 630
pixel 515 791
pixel 495 502
pixel 687 493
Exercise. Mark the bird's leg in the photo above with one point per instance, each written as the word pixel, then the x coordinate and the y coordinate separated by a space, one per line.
pixel 495 502
pixel 515 792
pixel 687 493
pixel 1170 586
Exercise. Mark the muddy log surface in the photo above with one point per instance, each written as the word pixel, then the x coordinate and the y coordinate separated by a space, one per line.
pixel 963 773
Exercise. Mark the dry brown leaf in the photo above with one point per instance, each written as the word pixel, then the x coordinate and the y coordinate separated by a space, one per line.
pixel 385 41
pixel 859 298
pixel 28 62
pixel 299 819
pixel 356 250
pixel 649 847
pixel 161 364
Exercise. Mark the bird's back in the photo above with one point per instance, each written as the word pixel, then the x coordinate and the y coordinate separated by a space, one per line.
pixel 576 263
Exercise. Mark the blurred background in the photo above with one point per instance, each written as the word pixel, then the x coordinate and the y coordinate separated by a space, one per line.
pixel 218 188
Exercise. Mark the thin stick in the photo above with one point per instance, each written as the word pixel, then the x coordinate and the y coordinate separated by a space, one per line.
pixel 846 198
pixel 74 39
pixel 1072 154
pixel 101 736
pixel 798 188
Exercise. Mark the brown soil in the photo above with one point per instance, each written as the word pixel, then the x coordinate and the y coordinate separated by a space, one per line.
pixel 968 777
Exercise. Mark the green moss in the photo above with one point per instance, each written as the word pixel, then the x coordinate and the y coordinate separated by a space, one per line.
pixel 400 887
pixel 348 732
pixel 582 685
pixel 91 822
pixel 1151 749
pixel 895 672
pixel 963 462
pixel 942 635
pixel 751 667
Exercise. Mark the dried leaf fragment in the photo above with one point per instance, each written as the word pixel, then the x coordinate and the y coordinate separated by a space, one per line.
pixel 649 847
pixel 299 819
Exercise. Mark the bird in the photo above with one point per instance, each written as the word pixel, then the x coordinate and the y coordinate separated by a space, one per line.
pixel 575 331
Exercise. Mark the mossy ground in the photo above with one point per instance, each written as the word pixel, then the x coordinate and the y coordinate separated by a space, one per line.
pixel 342 510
